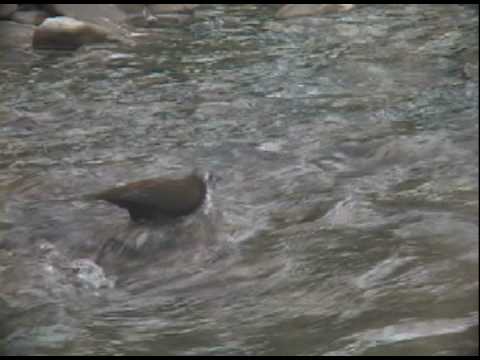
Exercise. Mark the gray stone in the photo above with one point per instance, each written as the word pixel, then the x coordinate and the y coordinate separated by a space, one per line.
pixel 15 35
pixel 31 17
pixel 294 10
pixel 169 19
pixel 152 15
pixel 132 9
pixel 6 10
pixel 171 8
pixel 109 16
pixel 67 33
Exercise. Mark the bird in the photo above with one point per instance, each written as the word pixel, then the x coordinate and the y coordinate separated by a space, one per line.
pixel 161 198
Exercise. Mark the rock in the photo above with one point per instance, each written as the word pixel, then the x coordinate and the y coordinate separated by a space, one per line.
pixel 141 15
pixel 14 35
pixel 63 33
pixel 294 10
pixel 6 10
pixel 131 9
pixel 169 19
pixel 171 8
pixel 135 13
pixel 108 16
pixel 31 17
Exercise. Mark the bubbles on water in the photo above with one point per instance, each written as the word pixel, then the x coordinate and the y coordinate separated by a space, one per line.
pixel 270 146
pixel 90 274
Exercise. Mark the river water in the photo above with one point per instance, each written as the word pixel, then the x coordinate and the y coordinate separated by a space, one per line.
pixel 345 220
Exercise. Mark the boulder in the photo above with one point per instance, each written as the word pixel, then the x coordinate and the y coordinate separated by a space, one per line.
pixel 64 33
pixel 108 16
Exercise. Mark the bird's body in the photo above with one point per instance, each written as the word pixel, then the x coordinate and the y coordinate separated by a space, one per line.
pixel 158 198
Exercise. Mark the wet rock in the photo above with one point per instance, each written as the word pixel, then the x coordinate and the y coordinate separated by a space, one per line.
pixel 160 14
pixel 131 9
pixel 137 14
pixel 63 33
pixel 169 19
pixel 294 10
pixel 31 17
pixel 171 8
pixel 108 16
pixel 6 10
pixel 14 35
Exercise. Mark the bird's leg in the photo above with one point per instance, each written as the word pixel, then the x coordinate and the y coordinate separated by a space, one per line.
pixel 114 244
pixel 101 252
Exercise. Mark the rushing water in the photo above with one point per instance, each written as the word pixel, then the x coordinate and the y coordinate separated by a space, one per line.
pixel 346 218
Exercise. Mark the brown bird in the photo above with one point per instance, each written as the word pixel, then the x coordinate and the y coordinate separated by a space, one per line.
pixel 159 198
